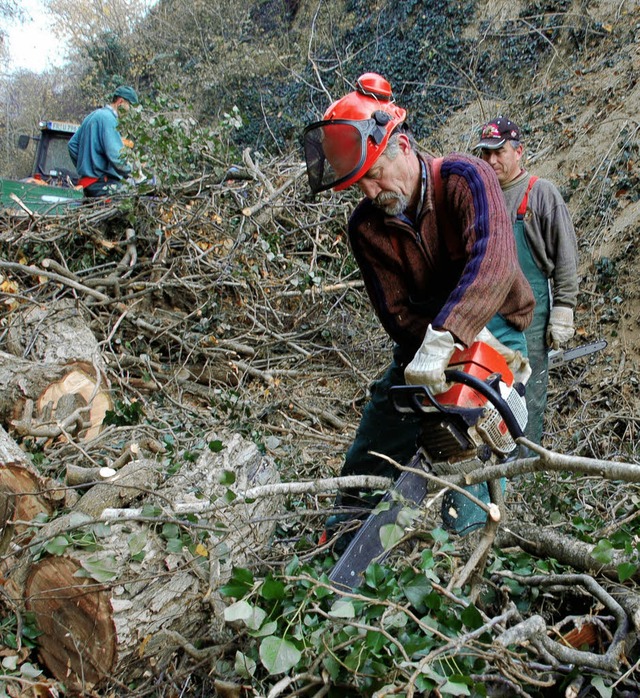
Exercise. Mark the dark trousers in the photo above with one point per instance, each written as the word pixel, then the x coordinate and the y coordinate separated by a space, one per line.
pixel 103 187
pixel 384 430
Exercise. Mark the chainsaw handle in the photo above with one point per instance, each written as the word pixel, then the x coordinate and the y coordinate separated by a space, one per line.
pixel 410 398
pixel 484 388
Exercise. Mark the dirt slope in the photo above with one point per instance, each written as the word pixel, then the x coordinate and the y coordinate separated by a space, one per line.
pixel 580 118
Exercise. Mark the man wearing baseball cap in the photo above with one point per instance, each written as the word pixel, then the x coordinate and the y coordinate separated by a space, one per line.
pixel 436 252
pixel 547 251
pixel 96 147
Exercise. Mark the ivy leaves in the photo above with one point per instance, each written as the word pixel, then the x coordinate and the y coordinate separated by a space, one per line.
pixel 300 623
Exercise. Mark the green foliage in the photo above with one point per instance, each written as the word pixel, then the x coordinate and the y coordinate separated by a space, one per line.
pixel 626 570
pixel 110 56
pixel 603 690
pixel 124 414
pixel 418 48
pixel 77 537
pixel 171 146
pixel 434 66
pixel 179 537
pixel 278 655
pixel 397 626
pixel 101 568
pixel 216 446
pixel 9 629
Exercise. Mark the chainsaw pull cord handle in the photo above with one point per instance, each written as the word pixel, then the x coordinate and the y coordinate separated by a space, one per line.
pixel 488 391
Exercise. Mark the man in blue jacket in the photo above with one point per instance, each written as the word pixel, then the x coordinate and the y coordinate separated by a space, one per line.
pixel 96 147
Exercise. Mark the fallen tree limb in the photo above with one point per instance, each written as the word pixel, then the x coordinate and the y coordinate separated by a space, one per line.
pixel 35 271
pixel 544 542
pixel 331 484
pixel 534 629
pixel 550 460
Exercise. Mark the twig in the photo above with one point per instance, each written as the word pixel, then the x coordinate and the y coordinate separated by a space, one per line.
pixel 252 210
pixel 34 271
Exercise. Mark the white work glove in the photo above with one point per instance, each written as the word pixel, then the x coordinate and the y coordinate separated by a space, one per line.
pixel 428 365
pixel 518 365
pixel 139 177
pixel 560 328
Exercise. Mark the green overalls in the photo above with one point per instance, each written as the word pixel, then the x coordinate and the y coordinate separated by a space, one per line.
pixel 467 516
pixel 536 395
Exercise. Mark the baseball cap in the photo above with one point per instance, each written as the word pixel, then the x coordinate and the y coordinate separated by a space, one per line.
pixel 496 133
pixel 127 93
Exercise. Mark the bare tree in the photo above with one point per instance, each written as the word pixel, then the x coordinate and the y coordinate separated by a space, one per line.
pixel 81 22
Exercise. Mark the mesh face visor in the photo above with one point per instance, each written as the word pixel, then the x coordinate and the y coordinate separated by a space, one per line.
pixel 337 151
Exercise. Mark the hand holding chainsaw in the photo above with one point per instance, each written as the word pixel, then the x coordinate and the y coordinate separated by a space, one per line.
pixel 518 364
pixel 430 361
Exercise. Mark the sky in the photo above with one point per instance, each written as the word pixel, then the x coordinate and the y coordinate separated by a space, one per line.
pixel 32 46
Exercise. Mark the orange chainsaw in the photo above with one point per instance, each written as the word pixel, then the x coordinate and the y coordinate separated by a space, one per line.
pixel 474 423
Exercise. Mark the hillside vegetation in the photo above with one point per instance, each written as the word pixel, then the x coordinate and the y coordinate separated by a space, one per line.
pixel 225 306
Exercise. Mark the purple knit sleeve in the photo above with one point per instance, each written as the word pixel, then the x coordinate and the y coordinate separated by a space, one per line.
pixel 476 204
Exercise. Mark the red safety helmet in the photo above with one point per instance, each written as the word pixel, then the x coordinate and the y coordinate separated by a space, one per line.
pixel 341 148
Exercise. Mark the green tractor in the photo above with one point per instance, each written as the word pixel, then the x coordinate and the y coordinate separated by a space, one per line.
pixel 53 183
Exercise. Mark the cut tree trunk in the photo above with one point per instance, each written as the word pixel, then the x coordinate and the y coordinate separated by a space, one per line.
pixel 149 587
pixel 24 493
pixel 132 482
pixel 55 334
pixel 54 362
pixel 47 401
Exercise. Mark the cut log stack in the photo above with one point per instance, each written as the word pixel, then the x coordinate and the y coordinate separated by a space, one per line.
pixel 123 578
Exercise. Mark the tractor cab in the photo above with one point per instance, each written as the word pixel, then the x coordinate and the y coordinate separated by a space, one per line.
pixel 52 164
pixel 52 185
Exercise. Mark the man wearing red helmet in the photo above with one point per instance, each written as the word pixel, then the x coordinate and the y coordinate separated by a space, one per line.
pixel 436 252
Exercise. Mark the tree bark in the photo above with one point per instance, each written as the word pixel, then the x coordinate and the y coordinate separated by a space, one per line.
pixel 52 334
pixel 548 543
pixel 150 585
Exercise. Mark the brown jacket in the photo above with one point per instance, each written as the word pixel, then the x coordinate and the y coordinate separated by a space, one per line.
pixel 455 271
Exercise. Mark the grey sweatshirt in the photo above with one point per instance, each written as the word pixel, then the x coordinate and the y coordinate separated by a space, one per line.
pixel 550 234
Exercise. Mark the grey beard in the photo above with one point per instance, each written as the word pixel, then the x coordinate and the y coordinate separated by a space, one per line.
pixel 391 203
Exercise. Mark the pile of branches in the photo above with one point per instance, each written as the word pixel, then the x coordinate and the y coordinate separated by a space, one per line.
pixel 235 303
pixel 218 298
